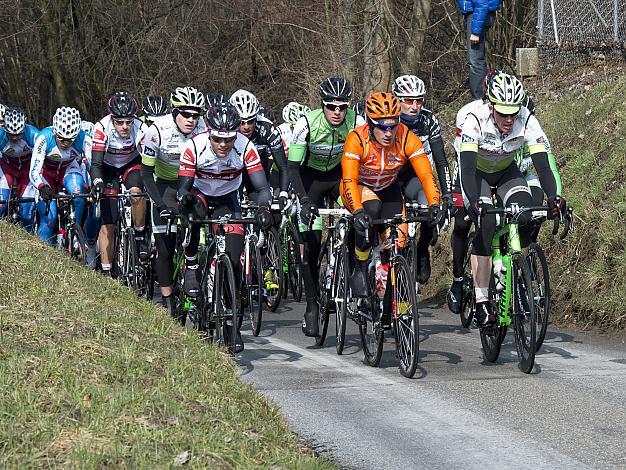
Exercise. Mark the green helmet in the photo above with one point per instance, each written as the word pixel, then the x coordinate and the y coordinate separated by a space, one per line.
pixel 187 97
pixel 506 93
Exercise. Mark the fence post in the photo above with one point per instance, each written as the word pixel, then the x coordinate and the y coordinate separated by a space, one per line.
pixel 556 29
pixel 615 29
pixel 540 19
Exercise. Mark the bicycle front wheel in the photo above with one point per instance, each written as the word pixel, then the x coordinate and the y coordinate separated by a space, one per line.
pixel 370 326
pixel 130 262
pixel 340 291
pixel 225 304
pixel 75 243
pixel 254 283
pixel 540 277
pixel 405 317
pixel 294 262
pixel 324 280
pixel 272 270
pixel 524 314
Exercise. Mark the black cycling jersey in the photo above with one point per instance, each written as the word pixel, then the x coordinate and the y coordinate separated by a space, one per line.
pixel 269 143
pixel 426 126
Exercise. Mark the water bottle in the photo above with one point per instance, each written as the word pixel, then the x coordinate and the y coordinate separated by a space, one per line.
pixel 382 271
pixel 211 276
pixel 499 271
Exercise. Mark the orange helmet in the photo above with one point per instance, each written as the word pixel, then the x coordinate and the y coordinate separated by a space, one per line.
pixel 382 106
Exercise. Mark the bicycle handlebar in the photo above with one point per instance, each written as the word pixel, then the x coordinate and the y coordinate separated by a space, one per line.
pixel 567 218
pixel 18 200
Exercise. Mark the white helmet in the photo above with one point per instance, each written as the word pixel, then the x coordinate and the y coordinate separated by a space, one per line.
pixel 246 103
pixel 87 127
pixel 187 97
pixel 66 122
pixel 3 110
pixel 14 121
pixel 506 93
pixel 408 86
pixel 293 111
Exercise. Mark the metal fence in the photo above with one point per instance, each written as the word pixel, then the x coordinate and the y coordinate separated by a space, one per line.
pixel 574 30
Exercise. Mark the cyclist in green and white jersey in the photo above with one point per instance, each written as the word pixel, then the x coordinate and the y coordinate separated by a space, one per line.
pixel 315 171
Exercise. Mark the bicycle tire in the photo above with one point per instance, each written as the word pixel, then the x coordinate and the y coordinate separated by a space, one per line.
pixel 75 243
pixel 492 343
pixel 525 323
pixel 272 269
pixel 150 279
pixel 405 317
pixel 130 262
pixel 340 281
pixel 540 275
pixel 254 284
pixel 370 329
pixel 322 296
pixel 294 262
pixel 468 303
pixel 226 302
pixel 119 253
pixel 411 258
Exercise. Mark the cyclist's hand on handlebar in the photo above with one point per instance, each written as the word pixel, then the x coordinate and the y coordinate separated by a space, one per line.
pixel 433 214
pixel 46 193
pixel 308 211
pixel 361 221
pixel 165 212
pixel 473 210
pixel 97 188
pixel 557 207
pixel 264 218
pixel 186 203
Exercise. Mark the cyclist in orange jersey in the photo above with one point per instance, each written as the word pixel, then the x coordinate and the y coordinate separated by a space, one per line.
pixel 373 155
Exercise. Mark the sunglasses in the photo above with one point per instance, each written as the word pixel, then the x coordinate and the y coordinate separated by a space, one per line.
pixel 65 139
pixel 223 140
pixel 123 122
pixel 248 121
pixel 336 107
pixel 188 115
pixel 384 128
pixel 411 101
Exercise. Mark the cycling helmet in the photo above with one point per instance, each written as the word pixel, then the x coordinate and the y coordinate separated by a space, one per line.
pixel 87 127
pixel 506 93
pixel 223 120
pixel 2 112
pixel 155 105
pixel 359 108
pixel 246 103
pixel 14 121
pixel 187 97
pixel 335 88
pixel 408 86
pixel 215 99
pixel 489 77
pixel 293 111
pixel 382 107
pixel 122 104
pixel 66 122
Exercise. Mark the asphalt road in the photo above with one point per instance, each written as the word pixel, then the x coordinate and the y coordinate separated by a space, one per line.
pixel 458 411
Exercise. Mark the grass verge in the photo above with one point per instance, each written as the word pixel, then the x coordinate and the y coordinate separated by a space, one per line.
pixel 91 377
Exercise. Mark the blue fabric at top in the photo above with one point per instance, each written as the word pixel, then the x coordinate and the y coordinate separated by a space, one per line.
pixel 480 8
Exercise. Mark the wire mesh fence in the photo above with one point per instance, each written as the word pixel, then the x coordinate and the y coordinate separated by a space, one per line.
pixel 574 31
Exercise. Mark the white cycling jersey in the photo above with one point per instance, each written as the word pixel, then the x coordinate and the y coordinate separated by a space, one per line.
pixel 118 151
pixel 218 176
pixel 162 145
pixel 496 151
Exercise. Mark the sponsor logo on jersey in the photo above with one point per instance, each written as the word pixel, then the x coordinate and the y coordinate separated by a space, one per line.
pixel 467 138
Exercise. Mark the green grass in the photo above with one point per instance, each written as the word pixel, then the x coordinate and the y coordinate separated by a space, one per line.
pixel 586 126
pixel 91 377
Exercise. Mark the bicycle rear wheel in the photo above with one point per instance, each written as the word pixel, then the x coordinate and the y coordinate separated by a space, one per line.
pixel 370 327
pixel 75 243
pixel 254 284
pixel 340 291
pixel 272 270
pixel 322 295
pixel 540 277
pixel 524 314
pixel 468 299
pixel 405 316
pixel 226 314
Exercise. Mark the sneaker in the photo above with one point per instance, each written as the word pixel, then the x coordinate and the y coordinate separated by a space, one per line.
pixel 142 246
pixel 92 255
pixel 423 263
pixel 191 281
pixel 358 280
pixel 310 326
pixel 484 314
pixel 454 295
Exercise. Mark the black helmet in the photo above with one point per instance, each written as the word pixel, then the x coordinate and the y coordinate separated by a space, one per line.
pixel 335 88
pixel 215 99
pixel 223 119
pixel 122 104
pixel 155 105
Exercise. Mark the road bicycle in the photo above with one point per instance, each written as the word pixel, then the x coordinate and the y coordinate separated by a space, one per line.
pixel 291 255
pixel 70 235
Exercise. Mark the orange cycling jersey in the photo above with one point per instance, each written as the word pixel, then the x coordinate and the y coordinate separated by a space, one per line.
pixel 367 163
